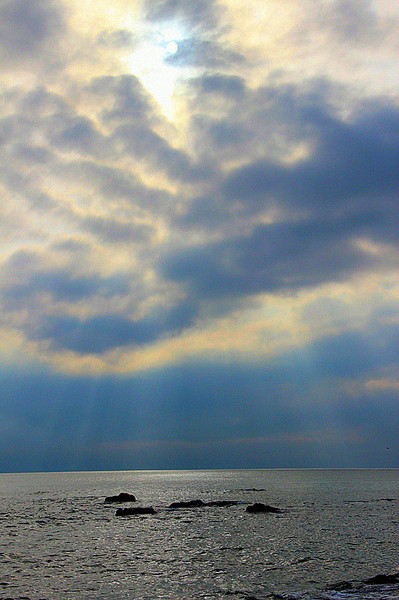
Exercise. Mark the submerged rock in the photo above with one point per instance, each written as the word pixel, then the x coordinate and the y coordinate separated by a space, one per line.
pixel 340 586
pixel 383 579
pixel 136 510
pixel 187 504
pixel 259 507
pixel 122 497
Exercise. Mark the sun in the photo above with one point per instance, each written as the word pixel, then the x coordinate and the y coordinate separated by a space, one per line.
pixel 172 47
pixel 149 62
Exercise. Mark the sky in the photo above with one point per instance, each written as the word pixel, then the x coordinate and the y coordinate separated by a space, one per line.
pixel 199 234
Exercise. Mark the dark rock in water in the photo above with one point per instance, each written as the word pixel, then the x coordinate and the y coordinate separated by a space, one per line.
pixel 383 579
pixel 200 503
pixel 137 510
pixel 187 504
pixel 222 503
pixel 122 497
pixel 303 560
pixel 259 507
pixel 340 586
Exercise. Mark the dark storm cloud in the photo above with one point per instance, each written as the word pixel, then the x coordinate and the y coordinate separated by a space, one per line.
pixel 351 355
pixel 101 333
pixel 349 162
pixel 273 258
pixel 33 154
pixel 344 189
pixel 62 286
pixel 94 335
pixel 26 25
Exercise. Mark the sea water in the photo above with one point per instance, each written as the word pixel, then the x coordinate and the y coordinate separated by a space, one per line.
pixel 337 529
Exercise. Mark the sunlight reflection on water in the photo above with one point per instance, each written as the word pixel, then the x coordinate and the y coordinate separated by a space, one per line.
pixel 59 541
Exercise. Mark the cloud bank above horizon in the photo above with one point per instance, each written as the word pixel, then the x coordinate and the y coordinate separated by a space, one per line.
pixel 200 187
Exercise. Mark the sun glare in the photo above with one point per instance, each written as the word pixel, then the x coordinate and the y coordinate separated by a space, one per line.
pixel 149 63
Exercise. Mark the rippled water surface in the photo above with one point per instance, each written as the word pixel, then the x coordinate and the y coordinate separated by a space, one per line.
pixel 59 541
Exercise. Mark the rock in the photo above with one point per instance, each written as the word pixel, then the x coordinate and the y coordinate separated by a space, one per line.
pixel 187 504
pixel 259 507
pixel 340 586
pixel 200 503
pixel 383 579
pixel 136 510
pixel 122 497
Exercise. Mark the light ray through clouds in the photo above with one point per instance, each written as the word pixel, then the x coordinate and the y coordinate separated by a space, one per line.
pixel 149 62
pixel 199 233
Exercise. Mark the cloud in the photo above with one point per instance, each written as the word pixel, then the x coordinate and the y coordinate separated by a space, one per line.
pixel 272 258
pixel 145 144
pixel 200 415
pixel 347 355
pixel 265 184
pixel 353 24
pixel 324 207
pixel 116 39
pixel 198 14
pixel 348 162
pixel 62 286
pixel 203 53
pixel 78 134
pixel 27 26
pixel 115 231
pixel 98 334
pixel 200 26
pixel 228 86
pixel 126 98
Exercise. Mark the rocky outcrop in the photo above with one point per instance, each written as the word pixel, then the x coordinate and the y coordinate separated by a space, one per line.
pixel 122 497
pixel 187 504
pixel 259 507
pixel 136 510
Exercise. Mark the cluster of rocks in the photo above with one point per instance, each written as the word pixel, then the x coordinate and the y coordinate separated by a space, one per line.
pixel 258 507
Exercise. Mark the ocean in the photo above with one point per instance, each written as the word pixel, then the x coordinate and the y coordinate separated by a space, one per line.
pixel 336 537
